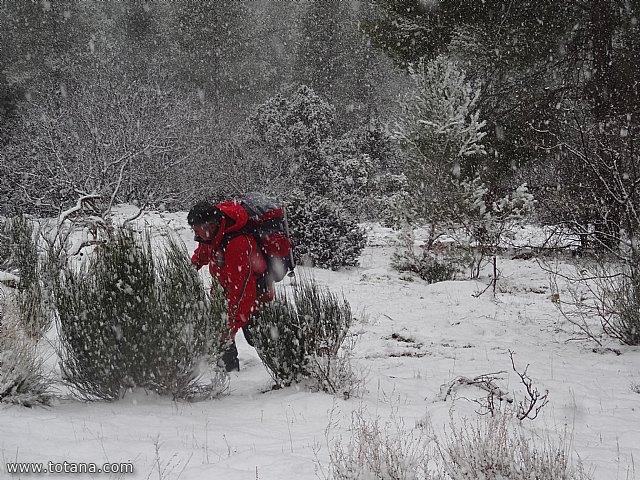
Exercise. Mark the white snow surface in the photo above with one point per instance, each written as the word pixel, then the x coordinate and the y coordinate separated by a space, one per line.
pixel 412 338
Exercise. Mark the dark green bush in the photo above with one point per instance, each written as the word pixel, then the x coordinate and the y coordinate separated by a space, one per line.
pixel 325 235
pixel 19 254
pixel 299 336
pixel 131 320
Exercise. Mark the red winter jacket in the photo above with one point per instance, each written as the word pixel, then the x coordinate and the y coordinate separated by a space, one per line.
pixel 237 264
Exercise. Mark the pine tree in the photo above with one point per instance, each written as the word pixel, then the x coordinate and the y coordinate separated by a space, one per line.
pixel 440 129
pixel 208 38
pixel 528 56
pixel 333 58
pixel 46 37
pixel 544 67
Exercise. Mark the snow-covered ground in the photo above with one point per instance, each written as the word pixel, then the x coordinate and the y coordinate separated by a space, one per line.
pixel 412 339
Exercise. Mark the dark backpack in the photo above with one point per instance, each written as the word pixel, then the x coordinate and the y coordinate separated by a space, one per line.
pixel 268 225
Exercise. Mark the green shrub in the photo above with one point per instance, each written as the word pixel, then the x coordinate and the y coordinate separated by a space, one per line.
pixel 427 265
pixel 324 234
pixel 19 253
pixel 300 336
pixel 129 320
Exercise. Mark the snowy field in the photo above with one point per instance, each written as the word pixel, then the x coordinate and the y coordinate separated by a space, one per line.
pixel 412 339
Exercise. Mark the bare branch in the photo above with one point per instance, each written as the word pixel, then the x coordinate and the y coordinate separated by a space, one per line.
pixel 534 402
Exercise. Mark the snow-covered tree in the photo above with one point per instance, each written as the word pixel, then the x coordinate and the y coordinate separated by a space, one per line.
pixel 122 140
pixel 325 234
pixel 294 122
pixel 298 132
pixel 441 131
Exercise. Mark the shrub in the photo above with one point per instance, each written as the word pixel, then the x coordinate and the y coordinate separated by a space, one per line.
pixel 605 290
pixel 490 449
pixel 375 452
pixel 427 265
pixel 128 320
pixel 22 381
pixel 324 234
pixel 296 130
pixel 19 252
pixel 297 122
pixel 625 324
pixel 300 336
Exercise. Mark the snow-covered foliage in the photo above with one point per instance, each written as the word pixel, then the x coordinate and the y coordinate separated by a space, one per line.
pixel 300 335
pixel 23 380
pixel 298 131
pixel 428 265
pixel 325 235
pixel 480 226
pixel 132 319
pixel 375 451
pixel 603 298
pixel 19 253
pixel 296 122
pixel 440 128
pixel 441 131
pixel 117 139
pixel 340 172
pixel 492 448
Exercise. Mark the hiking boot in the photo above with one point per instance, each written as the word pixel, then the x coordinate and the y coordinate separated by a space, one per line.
pixel 229 359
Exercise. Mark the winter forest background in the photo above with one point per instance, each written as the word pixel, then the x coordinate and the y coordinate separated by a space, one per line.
pixel 375 105
pixel 415 142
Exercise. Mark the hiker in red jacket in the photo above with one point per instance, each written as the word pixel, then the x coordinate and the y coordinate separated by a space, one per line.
pixel 235 260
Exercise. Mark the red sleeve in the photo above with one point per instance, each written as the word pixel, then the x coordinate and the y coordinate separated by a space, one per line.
pixel 238 281
pixel 201 255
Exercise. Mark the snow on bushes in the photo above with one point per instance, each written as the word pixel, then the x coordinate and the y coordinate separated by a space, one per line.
pixel 324 234
pixel 131 319
pixel 491 448
pixel 299 337
pixel 22 379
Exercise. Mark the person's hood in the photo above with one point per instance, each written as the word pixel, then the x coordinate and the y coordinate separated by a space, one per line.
pixel 234 212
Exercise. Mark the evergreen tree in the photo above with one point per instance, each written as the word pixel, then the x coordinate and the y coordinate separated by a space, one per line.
pixel 208 39
pixel 538 62
pixel 528 55
pixel 333 58
pixel 47 39
pixel 9 98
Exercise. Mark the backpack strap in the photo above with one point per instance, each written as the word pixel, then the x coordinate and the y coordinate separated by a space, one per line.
pixel 227 237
